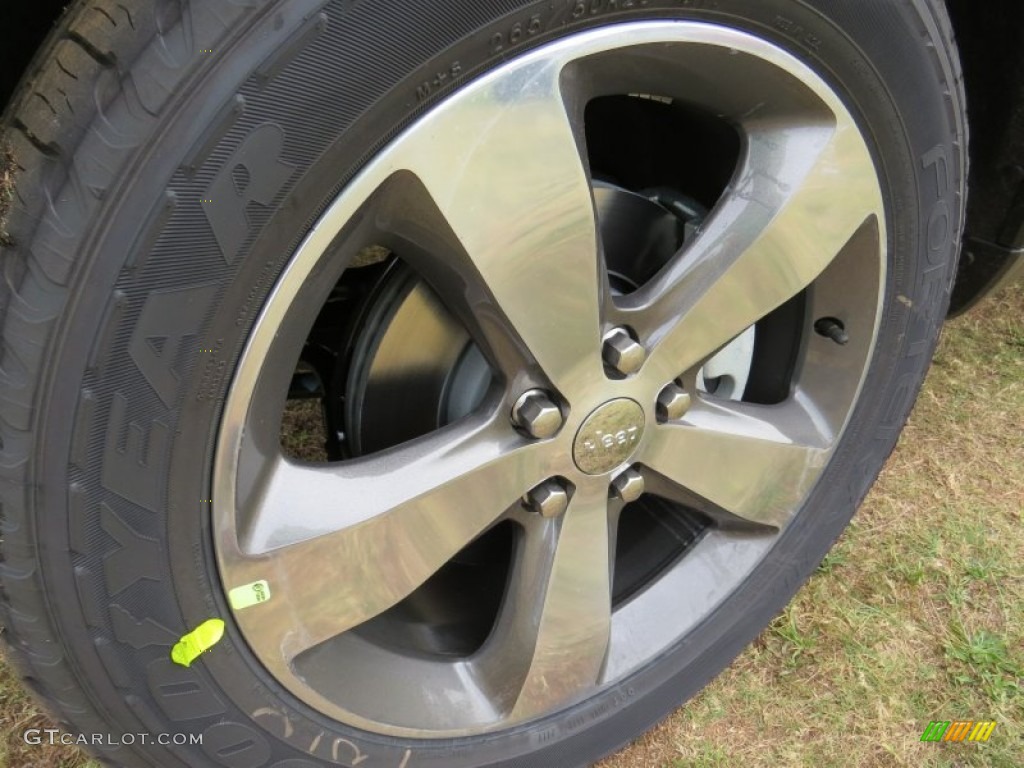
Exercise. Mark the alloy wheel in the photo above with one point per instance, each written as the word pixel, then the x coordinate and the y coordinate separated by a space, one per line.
pixel 568 387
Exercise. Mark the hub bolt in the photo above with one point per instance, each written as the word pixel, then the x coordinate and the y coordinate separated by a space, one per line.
pixel 549 499
pixel 622 352
pixel 536 414
pixel 673 403
pixel 628 486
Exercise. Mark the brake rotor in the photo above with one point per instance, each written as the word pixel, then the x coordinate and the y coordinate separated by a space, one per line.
pixel 414 367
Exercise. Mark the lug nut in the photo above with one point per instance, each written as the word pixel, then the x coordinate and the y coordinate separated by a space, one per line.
pixel 629 486
pixel 673 403
pixel 549 499
pixel 536 415
pixel 622 352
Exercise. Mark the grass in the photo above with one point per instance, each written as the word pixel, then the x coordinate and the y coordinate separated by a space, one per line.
pixel 916 615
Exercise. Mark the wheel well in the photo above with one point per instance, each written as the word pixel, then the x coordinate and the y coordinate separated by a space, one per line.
pixel 991 40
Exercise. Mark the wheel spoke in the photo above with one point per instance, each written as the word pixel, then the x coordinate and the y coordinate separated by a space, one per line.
pixel 551 640
pixel 802 194
pixel 344 546
pixel 737 462
pixel 503 167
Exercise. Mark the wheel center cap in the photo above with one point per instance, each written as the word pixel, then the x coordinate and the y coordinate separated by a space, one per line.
pixel 609 436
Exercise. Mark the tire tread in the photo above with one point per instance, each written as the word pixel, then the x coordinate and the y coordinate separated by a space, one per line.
pixel 84 65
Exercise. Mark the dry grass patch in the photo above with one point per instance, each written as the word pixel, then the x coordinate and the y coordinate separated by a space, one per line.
pixel 18 713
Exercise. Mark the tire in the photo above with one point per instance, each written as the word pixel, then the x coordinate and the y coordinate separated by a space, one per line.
pixel 172 159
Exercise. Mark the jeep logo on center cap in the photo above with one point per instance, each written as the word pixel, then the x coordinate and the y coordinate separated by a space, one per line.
pixel 609 436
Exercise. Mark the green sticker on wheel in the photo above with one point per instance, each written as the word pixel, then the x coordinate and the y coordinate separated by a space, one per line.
pixel 249 595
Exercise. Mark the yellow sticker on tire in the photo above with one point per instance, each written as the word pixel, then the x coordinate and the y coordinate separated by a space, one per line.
pixel 197 642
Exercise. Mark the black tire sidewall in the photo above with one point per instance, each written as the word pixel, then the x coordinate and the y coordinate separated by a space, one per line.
pixel 874 54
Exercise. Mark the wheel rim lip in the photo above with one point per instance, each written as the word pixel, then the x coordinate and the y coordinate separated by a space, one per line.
pixel 318 242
